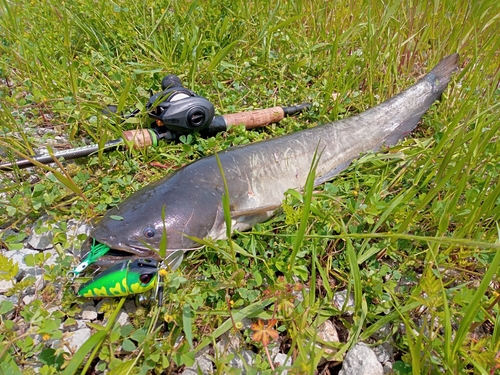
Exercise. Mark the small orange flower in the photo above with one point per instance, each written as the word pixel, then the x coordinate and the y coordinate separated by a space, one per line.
pixel 264 333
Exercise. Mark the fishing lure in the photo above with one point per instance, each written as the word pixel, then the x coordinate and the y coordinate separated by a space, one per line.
pixel 96 252
pixel 123 279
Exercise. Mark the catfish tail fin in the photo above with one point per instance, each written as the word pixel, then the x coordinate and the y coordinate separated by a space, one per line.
pixel 440 75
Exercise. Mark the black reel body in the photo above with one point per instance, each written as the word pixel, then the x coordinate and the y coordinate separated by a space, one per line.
pixel 178 110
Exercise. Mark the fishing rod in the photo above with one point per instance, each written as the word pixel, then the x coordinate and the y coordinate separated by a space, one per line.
pixel 175 111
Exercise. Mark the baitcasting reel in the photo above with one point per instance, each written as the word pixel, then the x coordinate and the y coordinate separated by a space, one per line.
pixel 177 110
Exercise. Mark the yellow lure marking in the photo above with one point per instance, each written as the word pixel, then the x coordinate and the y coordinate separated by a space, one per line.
pixel 136 288
pixel 97 292
pixel 117 289
pixel 139 288
pixel 88 294
pixel 125 285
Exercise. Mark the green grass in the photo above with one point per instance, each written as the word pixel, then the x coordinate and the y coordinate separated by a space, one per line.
pixel 413 233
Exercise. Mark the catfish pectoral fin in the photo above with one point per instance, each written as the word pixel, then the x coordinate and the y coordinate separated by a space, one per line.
pixel 331 174
pixel 242 219
pixel 254 211
pixel 174 259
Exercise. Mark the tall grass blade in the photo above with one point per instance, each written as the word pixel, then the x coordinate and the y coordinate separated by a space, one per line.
pixel 94 342
pixel 222 54
pixel 475 305
pixel 226 205
pixel 304 220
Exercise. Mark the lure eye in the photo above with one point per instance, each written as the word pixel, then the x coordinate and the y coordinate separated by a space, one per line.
pixel 145 278
pixel 149 232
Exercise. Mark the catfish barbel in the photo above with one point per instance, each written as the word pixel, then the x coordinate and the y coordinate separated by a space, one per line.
pixel 257 176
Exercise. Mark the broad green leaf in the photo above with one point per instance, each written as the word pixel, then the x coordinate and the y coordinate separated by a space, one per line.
pixel 8 268
pixel 128 345
pixel 122 368
pixel 6 306
pixel 187 323
pixel 83 351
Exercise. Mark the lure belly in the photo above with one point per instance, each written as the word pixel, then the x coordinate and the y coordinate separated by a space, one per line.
pixel 123 279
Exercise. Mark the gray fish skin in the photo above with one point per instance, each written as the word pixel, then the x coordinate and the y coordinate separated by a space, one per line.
pixel 259 174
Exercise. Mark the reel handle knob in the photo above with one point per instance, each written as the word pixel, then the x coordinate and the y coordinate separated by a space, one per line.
pixel 170 81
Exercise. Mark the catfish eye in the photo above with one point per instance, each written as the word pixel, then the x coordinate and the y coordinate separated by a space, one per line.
pixel 149 232
pixel 145 278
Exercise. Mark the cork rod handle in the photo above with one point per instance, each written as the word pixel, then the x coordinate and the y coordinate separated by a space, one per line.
pixel 255 119
pixel 140 138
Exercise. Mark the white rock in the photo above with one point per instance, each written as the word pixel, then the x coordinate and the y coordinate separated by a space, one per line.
pixel 123 318
pixel 89 313
pixel 388 368
pixel 242 359
pixel 75 228
pixel 41 239
pixel 52 259
pixel 5 285
pixel 384 352
pixel 13 299
pixel 38 285
pixel 361 360
pixel 247 323
pixel 273 350
pixel 339 301
pixel 327 332
pixel 230 344
pixel 130 306
pixel 384 333
pixel 282 359
pixel 78 338
pixel 28 299
pixel 202 363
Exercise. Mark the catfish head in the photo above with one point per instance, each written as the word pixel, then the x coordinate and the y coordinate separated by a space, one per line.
pixel 180 205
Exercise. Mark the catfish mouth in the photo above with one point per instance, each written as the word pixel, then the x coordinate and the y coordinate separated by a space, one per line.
pixel 133 248
pixel 119 250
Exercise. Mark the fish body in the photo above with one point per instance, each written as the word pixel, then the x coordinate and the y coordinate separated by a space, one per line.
pixel 259 174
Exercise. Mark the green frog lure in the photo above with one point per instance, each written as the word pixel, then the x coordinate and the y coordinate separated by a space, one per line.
pixel 125 278
pixel 132 276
